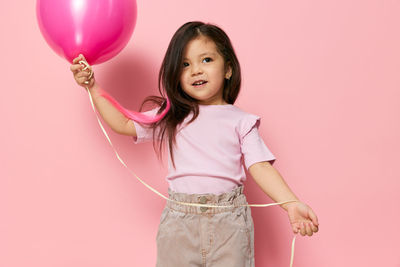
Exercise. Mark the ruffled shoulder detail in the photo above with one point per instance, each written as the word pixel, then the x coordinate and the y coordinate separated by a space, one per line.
pixel 247 123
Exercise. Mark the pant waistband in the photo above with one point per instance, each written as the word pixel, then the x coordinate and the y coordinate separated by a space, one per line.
pixel 232 198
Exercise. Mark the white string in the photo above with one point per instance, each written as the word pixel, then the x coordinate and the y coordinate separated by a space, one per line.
pixel 185 203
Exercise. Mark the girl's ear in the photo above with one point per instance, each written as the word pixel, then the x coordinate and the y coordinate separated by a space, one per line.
pixel 228 71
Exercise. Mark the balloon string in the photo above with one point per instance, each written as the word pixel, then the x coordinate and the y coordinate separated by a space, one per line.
pixel 184 203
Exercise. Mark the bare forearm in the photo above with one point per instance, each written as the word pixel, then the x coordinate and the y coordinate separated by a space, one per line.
pixel 272 183
pixel 111 115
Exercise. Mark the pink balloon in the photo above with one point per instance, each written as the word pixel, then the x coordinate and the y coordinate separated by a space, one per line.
pixel 98 29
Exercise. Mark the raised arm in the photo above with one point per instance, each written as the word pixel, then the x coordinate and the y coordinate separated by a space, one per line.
pixel 111 115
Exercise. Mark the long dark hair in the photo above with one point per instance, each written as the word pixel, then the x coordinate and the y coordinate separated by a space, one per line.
pixel 181 104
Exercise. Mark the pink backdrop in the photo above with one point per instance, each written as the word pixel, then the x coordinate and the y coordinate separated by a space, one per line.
pixel 324 77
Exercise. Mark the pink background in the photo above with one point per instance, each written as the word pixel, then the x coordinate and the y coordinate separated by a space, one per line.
pixel 323 75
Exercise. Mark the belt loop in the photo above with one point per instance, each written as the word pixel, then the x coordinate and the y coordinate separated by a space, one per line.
pixel 203 200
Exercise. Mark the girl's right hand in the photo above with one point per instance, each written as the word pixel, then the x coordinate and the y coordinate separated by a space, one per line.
pixel 80 75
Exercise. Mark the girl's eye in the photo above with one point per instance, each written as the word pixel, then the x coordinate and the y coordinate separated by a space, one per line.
pixel 185 64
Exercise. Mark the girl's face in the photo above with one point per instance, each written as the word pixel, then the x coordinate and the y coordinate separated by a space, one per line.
pixel 203 65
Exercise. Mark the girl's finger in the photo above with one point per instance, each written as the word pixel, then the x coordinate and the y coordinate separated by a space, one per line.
pixel 76 67
pixel 81 80
pixel 308 229
pixel 82 74
pixel 75 60
pixel 314 228
pixel 78 58
pixel 313 216
pixel 302 229
pixel 86 66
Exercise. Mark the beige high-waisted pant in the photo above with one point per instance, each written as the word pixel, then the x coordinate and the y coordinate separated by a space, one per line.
pixel 192 236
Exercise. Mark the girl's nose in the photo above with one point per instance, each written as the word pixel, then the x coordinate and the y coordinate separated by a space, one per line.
pixel 196 70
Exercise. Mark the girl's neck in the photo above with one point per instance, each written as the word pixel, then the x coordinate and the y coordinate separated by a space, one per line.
pixel 203 105
pixel 222 104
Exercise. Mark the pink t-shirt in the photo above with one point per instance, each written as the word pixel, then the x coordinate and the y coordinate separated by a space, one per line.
pixel 212 151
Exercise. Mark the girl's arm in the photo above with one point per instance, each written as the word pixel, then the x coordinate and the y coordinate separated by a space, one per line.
pixel 112 116
pixel 302 218
pixel 272 183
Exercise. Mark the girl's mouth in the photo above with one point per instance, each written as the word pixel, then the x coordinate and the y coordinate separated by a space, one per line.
pixel 199 84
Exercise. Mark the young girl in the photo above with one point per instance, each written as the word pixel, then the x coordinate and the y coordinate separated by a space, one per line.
pixel 210 141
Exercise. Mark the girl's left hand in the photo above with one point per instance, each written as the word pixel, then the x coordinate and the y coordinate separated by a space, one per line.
pixel 302 218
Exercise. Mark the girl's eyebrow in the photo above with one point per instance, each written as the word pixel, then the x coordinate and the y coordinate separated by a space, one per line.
pixel 210 53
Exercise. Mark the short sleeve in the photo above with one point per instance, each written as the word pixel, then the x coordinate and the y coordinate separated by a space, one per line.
pixel 144 133
pixel 252 146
